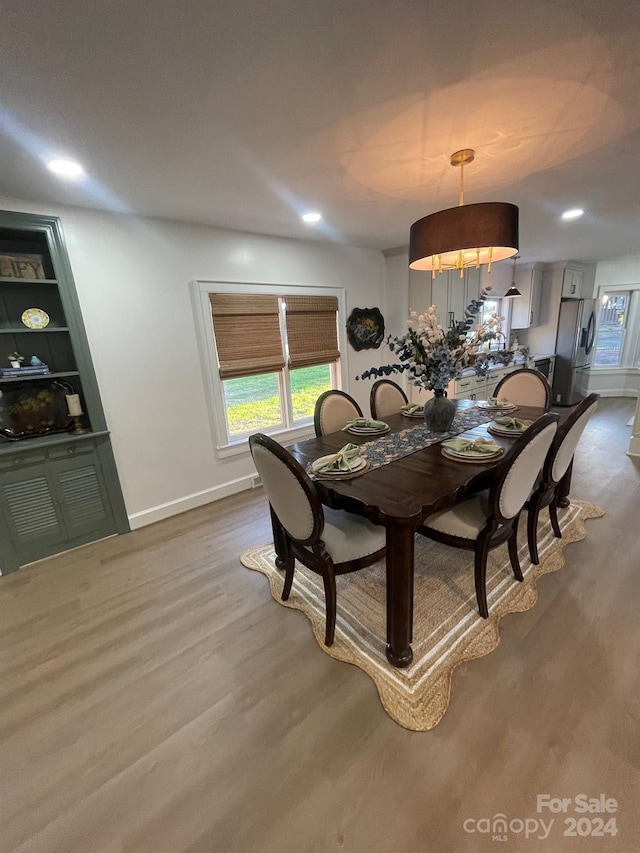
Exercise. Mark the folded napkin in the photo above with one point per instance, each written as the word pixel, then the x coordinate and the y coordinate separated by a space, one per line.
pixel 338 462
pixel 365 423
pixel 463 445
pixel 512 423
pixel 412 410
pixel 499 401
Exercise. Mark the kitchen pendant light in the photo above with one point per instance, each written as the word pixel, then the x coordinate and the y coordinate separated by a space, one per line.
pixel 469 235
pixel 513 290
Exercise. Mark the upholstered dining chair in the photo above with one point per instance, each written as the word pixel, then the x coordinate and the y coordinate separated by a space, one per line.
pixel 386 398
pixel 525 387
pixel 487 519
pixel 329 542
pixel 333 409
pixel 555 467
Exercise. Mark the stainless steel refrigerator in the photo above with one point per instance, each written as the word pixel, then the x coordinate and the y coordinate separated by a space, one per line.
pixel 574 351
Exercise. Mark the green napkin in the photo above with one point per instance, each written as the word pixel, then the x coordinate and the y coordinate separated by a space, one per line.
pixel 338 462
pixel 365 423
pixel 412 410
pixel 512 423
pixel 463 445
pixel 499 401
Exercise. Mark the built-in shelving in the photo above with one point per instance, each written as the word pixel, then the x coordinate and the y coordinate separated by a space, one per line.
pixel 58 489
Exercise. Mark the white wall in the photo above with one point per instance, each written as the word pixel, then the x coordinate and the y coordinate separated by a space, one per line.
pixel 132 277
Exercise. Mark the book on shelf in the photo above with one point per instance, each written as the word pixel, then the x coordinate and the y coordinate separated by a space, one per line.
pixel 10 372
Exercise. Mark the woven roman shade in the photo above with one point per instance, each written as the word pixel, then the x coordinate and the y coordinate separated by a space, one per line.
pixel 247 330
pixel 312 330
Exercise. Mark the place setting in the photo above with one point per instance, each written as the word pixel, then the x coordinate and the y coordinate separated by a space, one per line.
pixel 366 426
pixel 507 427
pixel 497 404
pixel 343 465
pixel 412 411
pixel 468 450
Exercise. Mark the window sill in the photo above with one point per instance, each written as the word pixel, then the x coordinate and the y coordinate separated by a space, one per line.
pixel 614 370
pixel 285 436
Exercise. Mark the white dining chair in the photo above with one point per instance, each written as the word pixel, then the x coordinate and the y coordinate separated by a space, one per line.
pixel 487 519
pixel 554 469
pixel 386 398
pixel 329 542
pixel 525 387
pixel 332 410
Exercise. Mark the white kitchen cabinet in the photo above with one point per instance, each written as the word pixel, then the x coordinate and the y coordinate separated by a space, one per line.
pixel 525 309
pixel 571 283
pixel 451 294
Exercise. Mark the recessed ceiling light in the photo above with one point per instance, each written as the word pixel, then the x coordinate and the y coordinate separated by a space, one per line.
pixel 574 213
pixel 312 216
pixel 66 168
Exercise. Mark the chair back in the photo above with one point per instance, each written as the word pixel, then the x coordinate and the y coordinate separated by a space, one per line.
pixel 516 476
pixel 291 493
pixel 525 387
pixel 333 409
pixel 386 398
pixel 567 438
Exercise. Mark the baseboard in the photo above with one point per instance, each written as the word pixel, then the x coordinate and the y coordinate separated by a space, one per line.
pixel 158 513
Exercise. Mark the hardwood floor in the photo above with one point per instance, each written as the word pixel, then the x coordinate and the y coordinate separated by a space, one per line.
pixel 154 698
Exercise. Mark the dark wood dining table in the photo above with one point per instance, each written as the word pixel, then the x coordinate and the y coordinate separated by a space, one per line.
pixel 401 495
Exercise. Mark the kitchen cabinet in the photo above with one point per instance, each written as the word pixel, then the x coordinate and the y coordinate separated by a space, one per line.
pixel 571 283
pixel 472 387
pixel 59 486
pixel 451 294
pixel 525 309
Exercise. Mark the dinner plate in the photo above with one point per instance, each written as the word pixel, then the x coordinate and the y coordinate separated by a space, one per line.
pixel 505 433
pixel 356 464
pixel 419 414
pixel 468 457
pixel 485 404
pixel 368 430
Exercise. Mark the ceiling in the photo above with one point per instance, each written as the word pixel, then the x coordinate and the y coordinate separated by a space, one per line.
pixel 246 114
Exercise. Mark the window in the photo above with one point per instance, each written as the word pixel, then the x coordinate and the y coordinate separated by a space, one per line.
pixel 612 324
pixel 489 307
pixel 269 355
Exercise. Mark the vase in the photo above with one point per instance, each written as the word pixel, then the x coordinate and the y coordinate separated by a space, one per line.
pixel 439 412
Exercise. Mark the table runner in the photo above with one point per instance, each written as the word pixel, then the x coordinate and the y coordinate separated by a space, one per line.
pixel 381 451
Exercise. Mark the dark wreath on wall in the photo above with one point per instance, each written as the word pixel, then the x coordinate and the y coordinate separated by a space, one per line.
pixel 365 328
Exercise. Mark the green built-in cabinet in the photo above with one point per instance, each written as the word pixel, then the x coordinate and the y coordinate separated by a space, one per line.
pixel 57 490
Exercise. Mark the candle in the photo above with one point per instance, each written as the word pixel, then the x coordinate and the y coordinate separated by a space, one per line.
pixel 73 404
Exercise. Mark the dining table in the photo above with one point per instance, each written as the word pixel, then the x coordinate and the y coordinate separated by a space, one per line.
pixel 400 495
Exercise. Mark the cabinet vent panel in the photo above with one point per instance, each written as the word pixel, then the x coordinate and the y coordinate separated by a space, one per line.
pixel 82 494
pixel 31 506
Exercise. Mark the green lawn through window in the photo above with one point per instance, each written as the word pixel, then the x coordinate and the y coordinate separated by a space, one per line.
pixel 253 402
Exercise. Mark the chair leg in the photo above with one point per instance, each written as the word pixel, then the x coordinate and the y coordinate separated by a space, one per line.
pixel 481 554
pixel 553 515
pixel 532 531
pixel 289 566
pixel 513 551
pixel 330 604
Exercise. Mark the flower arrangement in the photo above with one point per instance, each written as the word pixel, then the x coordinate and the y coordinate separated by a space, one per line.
pixel 432 355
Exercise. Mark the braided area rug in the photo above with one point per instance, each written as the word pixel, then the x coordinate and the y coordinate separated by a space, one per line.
pixel 447 627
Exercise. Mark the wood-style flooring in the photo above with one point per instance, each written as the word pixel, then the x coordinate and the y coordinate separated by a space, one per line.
pixel 154 698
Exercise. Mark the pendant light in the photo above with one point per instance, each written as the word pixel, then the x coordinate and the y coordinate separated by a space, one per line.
pixel 469 235
pixel 513 290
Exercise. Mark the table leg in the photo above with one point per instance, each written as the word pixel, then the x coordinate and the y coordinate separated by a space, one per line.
pixel 399 594
pixel 563 487
pixel 278 539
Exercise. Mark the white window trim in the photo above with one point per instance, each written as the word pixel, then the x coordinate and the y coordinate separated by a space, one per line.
pixel 199 291
pixel 631 338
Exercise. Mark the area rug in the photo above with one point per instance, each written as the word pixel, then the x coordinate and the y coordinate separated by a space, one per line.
pixel 447 627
